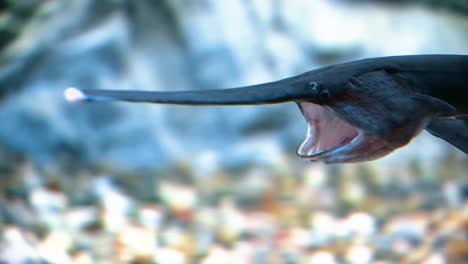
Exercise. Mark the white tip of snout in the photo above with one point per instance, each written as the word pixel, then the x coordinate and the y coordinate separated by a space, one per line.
pixel 74 95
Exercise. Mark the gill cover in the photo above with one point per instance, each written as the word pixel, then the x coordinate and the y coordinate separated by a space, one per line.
pixel 376 103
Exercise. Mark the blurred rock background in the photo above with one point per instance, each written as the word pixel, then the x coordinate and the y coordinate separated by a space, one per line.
pixel 209 183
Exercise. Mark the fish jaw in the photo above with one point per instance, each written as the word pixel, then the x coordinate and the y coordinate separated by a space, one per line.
pixel 365 147
pixel 325 132
pixel 332 140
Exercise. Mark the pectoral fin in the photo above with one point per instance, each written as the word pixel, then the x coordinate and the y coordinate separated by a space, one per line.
pixel 453 131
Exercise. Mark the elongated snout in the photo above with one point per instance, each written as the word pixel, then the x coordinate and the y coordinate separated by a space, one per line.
pixel 268 93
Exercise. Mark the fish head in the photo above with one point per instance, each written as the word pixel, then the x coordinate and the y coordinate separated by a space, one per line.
pixel 365 118
pixel 350 118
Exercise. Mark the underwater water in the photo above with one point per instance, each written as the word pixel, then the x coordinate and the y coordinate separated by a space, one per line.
pixel 131 183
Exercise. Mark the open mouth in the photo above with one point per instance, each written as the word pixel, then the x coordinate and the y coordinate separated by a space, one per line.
pixel 325 133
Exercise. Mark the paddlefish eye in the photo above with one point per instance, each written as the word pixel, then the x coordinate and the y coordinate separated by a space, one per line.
pixel 321 94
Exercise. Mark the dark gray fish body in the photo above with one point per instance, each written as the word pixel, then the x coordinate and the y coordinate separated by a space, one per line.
pixel 356 111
